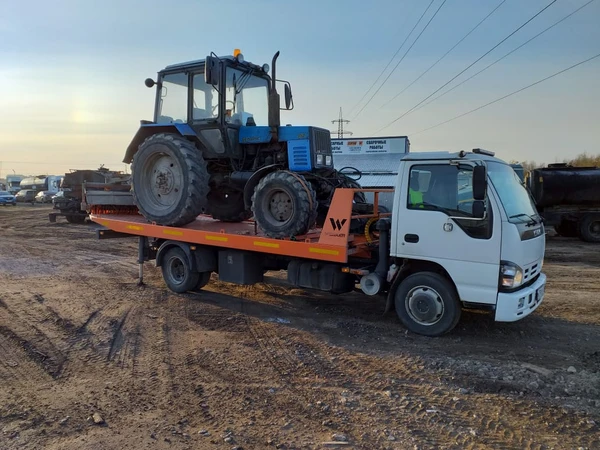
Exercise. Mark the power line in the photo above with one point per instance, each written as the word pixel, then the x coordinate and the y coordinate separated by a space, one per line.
pixel 411 31
pixel 502 57
pixel 445 54
pixel 469 66
pixel 509 95
pixel 392 58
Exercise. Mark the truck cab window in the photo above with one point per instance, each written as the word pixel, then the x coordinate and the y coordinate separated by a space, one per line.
pixel 173 99
pixel 206 99
pixel 448 189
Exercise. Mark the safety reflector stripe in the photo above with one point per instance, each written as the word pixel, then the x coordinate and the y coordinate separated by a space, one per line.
pixel 103 222
pixel 173 232
pixel 217 238
pixel 266 244
pixel 135 227
pixel 323 251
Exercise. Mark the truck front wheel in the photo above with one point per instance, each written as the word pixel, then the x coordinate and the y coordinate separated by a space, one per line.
pixel 177 272
pixel 427 304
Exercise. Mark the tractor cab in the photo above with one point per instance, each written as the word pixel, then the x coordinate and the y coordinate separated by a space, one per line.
pixel 215 97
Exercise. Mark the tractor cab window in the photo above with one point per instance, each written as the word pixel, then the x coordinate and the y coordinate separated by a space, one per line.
pixel 206 99
pixel 172 106
pixel 247 98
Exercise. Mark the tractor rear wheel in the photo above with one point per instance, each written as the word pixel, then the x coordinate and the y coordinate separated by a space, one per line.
pixel 226 203
pixel 170 180
pixel 284 204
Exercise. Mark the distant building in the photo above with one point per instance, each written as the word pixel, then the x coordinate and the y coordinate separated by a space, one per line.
pixel 373 162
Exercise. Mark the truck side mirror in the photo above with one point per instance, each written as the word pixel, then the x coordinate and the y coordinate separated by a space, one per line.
pixel 288 96
pixel 212 70
pixel 479 182
pixel 478 209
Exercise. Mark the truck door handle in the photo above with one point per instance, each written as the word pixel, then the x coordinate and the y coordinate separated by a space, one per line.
pixel 414 238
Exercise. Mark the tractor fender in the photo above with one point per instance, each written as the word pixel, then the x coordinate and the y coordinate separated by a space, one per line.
pixel 254 179
pixel 148 129
pixel 160 254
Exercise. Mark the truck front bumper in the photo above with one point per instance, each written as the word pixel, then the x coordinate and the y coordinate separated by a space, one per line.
pixel 513 306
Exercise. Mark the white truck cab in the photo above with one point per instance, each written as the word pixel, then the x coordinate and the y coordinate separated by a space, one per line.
pixel 464 233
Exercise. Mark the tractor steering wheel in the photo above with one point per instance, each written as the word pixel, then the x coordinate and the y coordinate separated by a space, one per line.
pixel 214 108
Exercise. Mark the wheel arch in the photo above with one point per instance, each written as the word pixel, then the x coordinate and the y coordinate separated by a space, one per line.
pixel 410 267
pixel 147 130
pixel 255 179
pixel 169 244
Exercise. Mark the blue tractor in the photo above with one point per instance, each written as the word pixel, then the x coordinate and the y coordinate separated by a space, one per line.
pixel 216 146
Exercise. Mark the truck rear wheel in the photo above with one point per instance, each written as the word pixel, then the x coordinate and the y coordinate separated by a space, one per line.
pixel 284 204
pixel 427 304
pixel 177 272
pixel 589 228
pixel 203 279
pixel 170 180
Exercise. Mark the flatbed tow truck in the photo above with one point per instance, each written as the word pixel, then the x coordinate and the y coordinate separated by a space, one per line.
pixel 468 238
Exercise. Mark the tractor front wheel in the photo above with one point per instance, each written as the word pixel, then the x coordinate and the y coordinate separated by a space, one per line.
pixel 284 204
pixel 170 180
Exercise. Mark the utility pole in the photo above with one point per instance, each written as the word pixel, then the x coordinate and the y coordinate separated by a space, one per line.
pixel 341 121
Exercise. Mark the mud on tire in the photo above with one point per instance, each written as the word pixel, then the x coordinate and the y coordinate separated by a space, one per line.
pixel 170 180
pixel 284 204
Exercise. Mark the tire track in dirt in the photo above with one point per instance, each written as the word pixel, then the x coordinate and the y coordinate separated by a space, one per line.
pixel 20 317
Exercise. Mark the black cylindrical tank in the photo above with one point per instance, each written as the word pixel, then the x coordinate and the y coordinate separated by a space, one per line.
pixel 565 186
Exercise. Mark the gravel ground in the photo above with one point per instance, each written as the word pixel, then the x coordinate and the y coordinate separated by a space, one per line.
pixel 89 360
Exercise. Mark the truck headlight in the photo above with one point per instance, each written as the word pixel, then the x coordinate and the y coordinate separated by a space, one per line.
pixel 319 160
pixel 511 275
pixel 328 160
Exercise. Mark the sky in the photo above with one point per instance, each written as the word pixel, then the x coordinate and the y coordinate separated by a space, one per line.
pixel 72 72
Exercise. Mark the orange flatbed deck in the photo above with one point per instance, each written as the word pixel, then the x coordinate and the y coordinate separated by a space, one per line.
pixel 242 236
pixel 333 242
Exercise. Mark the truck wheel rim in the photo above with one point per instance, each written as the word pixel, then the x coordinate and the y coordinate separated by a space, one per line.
pixel 162 180
pixel 425 305
pixel 177 270
pixel 280 207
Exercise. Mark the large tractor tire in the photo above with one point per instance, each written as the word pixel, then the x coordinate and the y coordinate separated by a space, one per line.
pixel 170 180
pixel 284 204
pixel 226 204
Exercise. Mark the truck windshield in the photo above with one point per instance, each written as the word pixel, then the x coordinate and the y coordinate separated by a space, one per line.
pixel 515 199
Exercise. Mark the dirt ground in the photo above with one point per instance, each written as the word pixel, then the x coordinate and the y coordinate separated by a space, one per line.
pixel 274 367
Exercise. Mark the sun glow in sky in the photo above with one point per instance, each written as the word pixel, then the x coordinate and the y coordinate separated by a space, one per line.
pixel 72 72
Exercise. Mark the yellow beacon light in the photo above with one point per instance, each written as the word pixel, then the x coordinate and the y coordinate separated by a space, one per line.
pixel 236 52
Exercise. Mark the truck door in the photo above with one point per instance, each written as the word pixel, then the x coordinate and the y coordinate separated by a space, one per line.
pixel 433 223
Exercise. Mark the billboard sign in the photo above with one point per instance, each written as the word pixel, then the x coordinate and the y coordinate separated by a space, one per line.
pixel 368 146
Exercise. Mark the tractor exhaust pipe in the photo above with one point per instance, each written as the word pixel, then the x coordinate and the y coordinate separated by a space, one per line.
pixel 274 102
